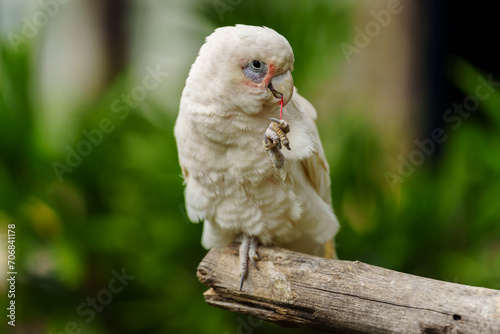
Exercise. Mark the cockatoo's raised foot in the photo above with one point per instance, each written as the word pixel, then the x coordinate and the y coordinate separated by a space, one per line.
pixel 248 250
pixel 274 136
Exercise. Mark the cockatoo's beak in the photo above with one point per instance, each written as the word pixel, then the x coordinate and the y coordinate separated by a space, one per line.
pixel 282 85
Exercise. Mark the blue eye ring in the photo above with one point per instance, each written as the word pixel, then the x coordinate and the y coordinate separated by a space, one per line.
pixel 256 70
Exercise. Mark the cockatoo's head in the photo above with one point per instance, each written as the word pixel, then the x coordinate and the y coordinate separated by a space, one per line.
pixel 245 66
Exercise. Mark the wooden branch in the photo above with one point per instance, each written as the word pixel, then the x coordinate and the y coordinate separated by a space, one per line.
pixel 299 290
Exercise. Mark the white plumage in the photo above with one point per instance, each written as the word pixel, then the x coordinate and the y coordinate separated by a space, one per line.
pixel 231 182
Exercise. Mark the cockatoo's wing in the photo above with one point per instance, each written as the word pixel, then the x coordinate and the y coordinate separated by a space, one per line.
pixel 316 166
pixel 308 173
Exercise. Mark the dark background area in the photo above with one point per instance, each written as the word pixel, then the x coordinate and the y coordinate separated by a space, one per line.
pixel 463 30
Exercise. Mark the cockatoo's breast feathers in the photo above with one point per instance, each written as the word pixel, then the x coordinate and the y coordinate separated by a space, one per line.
pixel 238 63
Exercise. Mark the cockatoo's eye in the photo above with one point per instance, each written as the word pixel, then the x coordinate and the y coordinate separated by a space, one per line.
pixel 256 71
pixel 257 65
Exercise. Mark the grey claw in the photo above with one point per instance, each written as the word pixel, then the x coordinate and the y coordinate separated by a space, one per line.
pixel 275 120
pixel 252 252
pixel 254 263
pixel 242 279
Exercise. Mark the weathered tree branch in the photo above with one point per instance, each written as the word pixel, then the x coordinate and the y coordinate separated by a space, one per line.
pixel 294 289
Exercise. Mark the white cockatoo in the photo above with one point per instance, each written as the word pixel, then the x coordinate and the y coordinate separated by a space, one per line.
pixel 233 184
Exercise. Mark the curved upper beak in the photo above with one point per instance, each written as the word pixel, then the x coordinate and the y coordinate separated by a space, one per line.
pixel 282 85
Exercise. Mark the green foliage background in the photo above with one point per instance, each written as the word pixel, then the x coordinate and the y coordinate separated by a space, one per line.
pixel 122 207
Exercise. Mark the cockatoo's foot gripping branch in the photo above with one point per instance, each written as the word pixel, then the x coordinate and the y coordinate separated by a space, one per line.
pixel 248 250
